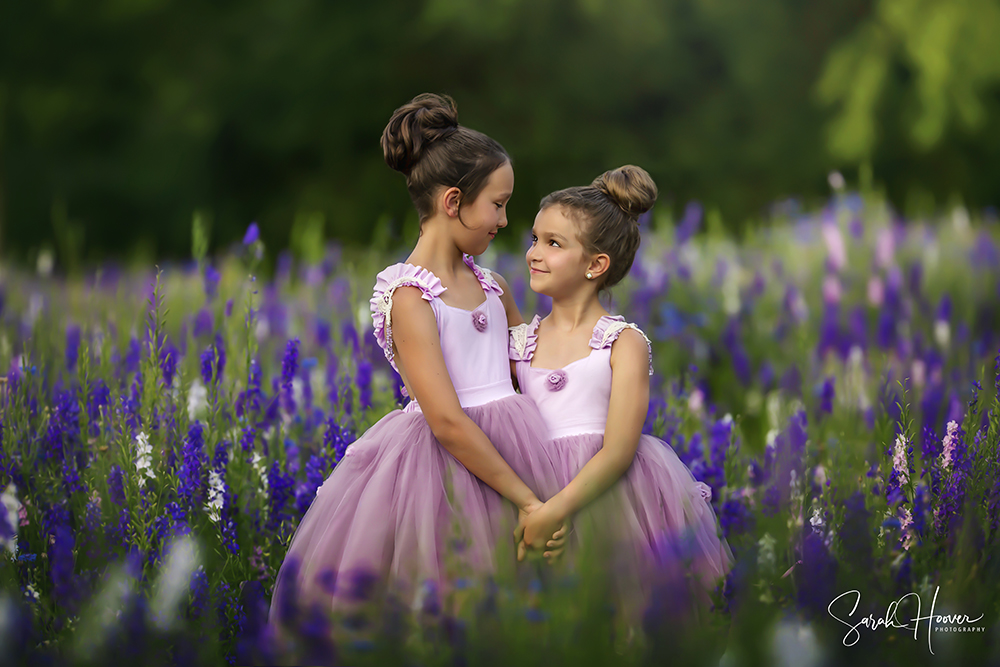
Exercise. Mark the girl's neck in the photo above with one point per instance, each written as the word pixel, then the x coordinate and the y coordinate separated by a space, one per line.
pixel 436 251
pixel 575 312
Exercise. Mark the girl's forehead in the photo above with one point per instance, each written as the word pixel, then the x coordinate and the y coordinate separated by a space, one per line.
pixel 552 219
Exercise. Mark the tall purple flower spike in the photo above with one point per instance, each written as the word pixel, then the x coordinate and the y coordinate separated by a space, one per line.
pixel 556 380
pixel 479 320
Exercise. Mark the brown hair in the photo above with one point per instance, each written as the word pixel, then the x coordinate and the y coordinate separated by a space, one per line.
pixel 424 141
pixel 609 210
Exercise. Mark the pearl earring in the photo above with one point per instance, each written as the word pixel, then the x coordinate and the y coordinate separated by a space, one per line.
pixel 590 276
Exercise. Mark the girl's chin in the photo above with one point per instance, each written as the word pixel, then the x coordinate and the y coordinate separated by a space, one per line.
pixel 538 286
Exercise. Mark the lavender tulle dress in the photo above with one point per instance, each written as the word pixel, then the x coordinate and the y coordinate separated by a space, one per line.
pixel 657 511
pixel 398 507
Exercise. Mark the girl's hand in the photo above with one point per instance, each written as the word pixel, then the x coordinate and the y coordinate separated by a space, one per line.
pixel 522 518
pixel 539 523
pixel 556 545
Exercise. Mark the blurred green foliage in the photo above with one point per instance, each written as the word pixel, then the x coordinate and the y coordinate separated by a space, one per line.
pixel 120 120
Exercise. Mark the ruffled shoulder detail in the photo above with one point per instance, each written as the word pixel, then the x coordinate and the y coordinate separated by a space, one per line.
pixel 386 283
pixel 609 328
pixel 485 276
pixel 522 340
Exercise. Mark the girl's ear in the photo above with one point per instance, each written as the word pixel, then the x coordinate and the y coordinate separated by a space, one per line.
pixel 598 266
pixel 451 201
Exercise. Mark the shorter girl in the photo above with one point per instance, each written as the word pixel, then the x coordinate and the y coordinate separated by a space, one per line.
pixel 588 372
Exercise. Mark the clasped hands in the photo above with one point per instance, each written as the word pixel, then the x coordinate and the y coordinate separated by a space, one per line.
pixel 540 529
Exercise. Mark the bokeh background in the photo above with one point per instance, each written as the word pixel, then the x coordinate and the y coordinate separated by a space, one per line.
pixel 121 120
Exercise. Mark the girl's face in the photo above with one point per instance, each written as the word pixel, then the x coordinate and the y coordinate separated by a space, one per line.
pixel 557 260
pixel 487 215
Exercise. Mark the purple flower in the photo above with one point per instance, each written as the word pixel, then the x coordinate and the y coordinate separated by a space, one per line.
pixel 735 517
pixel 116 488
pixel 203 323
pixel 207 364
pixel 72 346
pixel 826 395
pixel 289 366
pixel 211 281
pixel 817 575
pixel 556 380
pixel 363 379
pixel 689 223
pixel 191 472
pixel 252 234
pixel 322 333
pixel 479 320
pixel 229 308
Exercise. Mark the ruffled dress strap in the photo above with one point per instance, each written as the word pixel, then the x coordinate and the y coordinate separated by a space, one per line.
pixel 386 283
pixel 609 328
pixel 522 340
pixel 485 276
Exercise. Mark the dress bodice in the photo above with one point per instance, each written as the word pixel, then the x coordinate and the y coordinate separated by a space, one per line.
pixel 473 342
pixel 573 399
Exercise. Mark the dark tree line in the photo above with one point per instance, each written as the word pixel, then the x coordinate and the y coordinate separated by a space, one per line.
pixel 119 120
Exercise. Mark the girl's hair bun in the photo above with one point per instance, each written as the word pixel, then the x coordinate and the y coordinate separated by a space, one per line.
pixel 413 126
pixel 630 187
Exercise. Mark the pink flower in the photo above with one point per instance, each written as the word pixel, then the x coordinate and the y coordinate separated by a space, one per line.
pixel 556 380
pixel 899 462
pixel 479 320
pixel 949 445
pixel 836 252
pixel 876 291
pixel 906 522
pixel 831 289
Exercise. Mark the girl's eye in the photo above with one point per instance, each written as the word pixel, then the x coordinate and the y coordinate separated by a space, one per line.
pixel 499 205
pixel 555 243
pixel 534 239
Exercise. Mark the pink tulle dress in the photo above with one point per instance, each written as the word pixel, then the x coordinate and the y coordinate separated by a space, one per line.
pixel 398 508
pixel 657 512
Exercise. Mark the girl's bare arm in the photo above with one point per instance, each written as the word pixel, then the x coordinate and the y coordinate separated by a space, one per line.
pixel 626 415
pixel 419 357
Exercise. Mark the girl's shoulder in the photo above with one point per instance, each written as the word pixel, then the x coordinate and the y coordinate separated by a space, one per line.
pixel 610 327
pixel 523 339
pixel 386 283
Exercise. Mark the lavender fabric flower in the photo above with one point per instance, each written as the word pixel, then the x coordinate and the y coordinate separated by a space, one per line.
pixel 556 380
pixel 479 320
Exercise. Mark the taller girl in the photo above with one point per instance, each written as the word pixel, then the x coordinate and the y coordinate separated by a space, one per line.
pixel 421 492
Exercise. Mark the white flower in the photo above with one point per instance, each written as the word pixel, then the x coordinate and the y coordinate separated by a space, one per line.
pixel 766 557
pixel 173 583
pixel 258 466
pixel 942 333
pixel 197 399
pixel 216 493
pixel 143 459
pixel 11 508
pixel 816 520
pixel 31 593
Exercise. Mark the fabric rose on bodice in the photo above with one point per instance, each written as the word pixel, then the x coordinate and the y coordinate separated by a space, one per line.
pixel 556 380
pixel 479 320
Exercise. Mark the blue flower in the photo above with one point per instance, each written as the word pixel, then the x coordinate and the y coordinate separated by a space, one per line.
pixel 211 281
pixel 252 234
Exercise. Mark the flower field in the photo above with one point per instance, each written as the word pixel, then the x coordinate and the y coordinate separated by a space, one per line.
pixel 833 376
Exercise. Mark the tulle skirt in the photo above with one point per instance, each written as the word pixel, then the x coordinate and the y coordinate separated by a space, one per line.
pixel 400 510
pixel 654 525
